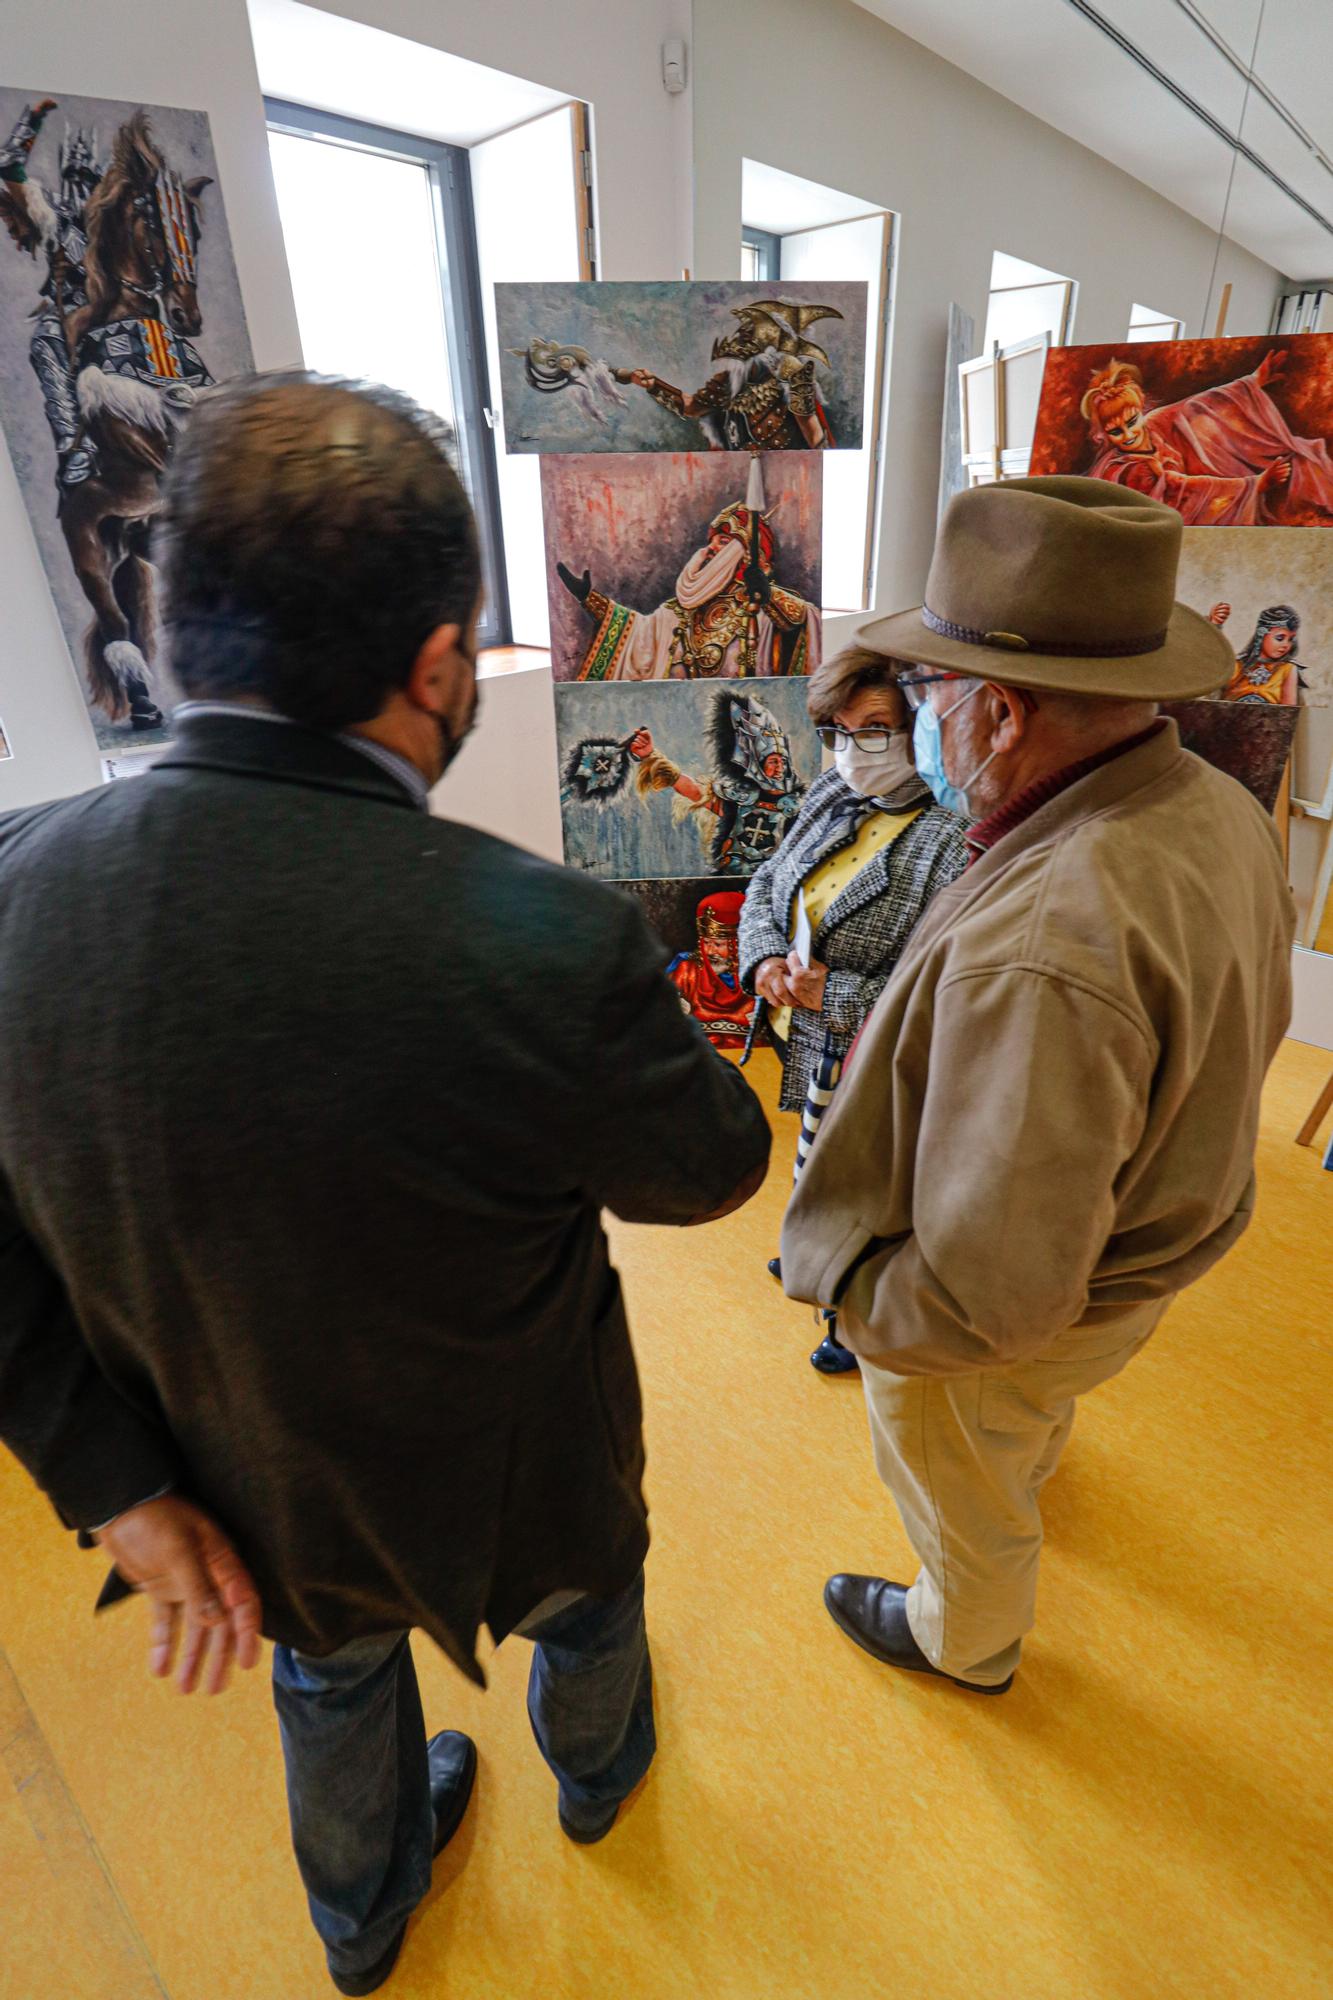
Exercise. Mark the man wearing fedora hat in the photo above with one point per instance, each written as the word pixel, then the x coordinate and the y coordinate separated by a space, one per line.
pixel 1047 1128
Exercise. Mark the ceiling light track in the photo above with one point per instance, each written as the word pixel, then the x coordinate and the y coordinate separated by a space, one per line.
pixel 1192 104
pixel 1255 82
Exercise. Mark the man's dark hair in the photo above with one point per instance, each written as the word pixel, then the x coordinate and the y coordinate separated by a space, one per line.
pixel 315 534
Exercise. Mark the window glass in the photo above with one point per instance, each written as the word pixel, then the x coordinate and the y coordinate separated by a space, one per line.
pixel 381 314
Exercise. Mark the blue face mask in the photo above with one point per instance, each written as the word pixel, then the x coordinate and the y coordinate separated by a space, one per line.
pixel 929 754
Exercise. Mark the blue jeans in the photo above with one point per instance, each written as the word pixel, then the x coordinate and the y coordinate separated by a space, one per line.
pixel 354 1744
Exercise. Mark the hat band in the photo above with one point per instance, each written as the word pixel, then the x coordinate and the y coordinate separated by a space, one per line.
pixel 1014 642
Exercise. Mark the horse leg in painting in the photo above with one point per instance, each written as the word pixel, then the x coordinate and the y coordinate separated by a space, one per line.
pixel 135 585
pixel 118 673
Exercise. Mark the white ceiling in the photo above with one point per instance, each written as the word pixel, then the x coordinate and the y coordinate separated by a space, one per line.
pixel 333 64
pixel 1048 57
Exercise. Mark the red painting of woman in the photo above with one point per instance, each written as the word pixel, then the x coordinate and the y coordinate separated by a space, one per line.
pixel 1223 457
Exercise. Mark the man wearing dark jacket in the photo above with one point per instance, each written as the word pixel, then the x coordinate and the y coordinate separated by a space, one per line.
pixel 309 1103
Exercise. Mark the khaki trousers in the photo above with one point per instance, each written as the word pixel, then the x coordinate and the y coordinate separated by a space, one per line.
pixel 965 1457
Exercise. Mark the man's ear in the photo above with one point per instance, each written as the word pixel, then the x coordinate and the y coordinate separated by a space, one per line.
pixel 436 670
pixel 1009 716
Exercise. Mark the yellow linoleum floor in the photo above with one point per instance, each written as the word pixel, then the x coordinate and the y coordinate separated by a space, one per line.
pixel 1145 1815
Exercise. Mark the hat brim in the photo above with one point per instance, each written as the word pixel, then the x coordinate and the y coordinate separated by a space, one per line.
pixel 1195 659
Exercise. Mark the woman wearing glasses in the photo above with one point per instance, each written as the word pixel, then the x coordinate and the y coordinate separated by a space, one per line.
pixel 825 920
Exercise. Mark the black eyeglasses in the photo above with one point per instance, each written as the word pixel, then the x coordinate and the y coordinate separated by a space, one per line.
pixel 872 742
pixel 914 691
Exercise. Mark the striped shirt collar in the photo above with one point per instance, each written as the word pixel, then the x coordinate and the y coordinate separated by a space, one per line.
pixel 406 774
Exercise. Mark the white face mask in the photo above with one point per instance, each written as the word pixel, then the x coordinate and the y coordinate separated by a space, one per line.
pixel 879 776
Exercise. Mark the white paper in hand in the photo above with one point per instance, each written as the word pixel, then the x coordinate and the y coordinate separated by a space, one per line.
pixel 800 943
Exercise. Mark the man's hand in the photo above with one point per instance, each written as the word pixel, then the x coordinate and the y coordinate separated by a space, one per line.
pixel 198 1586
pixel 577 586
pixel 641 745
pixel 807 983
pixel 1219 614
pixel 771 982
pixel 1272 364
pixel 1276 474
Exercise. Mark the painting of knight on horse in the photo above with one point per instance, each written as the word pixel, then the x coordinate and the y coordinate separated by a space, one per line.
pixel 111 341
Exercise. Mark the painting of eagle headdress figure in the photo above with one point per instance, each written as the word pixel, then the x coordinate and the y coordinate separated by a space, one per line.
pixel 662 367
pixel 119 308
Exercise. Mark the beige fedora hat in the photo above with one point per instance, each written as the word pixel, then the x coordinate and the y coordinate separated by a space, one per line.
pixel 1059 583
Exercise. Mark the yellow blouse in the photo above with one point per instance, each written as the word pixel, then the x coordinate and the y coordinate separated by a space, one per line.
pixel 1241 688
pixel 824 884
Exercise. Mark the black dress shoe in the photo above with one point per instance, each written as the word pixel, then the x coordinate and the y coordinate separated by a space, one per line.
pixel 874 1614
pixel 453 1772
pixel 831 1357
pixel 592 1824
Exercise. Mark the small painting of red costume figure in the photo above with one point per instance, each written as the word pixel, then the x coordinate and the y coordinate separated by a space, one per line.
pixel 1231 433
pixel 1267 670
pixel 708 978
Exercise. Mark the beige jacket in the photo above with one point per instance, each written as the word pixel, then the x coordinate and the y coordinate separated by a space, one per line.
pixel 1050 1116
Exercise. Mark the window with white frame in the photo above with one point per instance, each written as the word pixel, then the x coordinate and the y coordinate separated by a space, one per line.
pixel 1027 300
pixel 794 229
pixel 406 204
pixel 1145 324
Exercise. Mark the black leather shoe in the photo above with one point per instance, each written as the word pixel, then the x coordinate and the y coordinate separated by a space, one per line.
pixel 453 1772
pixel 832 1358
pixel 775 1268
pixel 587 1831
pixel 874 1614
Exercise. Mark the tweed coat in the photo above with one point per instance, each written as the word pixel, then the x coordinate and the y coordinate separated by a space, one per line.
pixel 863 931
pixel 309 1104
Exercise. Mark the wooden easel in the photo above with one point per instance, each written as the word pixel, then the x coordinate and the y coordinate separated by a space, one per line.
pixel 1323 1103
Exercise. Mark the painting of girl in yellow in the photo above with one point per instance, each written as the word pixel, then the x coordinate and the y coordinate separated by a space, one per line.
pixel 1267 670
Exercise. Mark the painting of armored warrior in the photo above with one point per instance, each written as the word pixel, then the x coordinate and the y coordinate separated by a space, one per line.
pixel 1231 433
pixel 682 367
pixel 678 781
pixel 119 306
pixel 699 923
pixel 667 567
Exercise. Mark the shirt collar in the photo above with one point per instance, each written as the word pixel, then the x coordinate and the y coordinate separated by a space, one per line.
pixel 406 774
pixel 984 835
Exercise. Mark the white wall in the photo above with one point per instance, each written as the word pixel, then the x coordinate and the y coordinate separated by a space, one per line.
pixel 199 53
pixel 822 90
pixel 504 778
pixel 834 94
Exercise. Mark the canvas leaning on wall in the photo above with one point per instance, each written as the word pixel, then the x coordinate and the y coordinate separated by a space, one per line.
pixel 658 568
pixel 1270 593
pixel 119 307
pixel 1231 433
pixel 682 367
